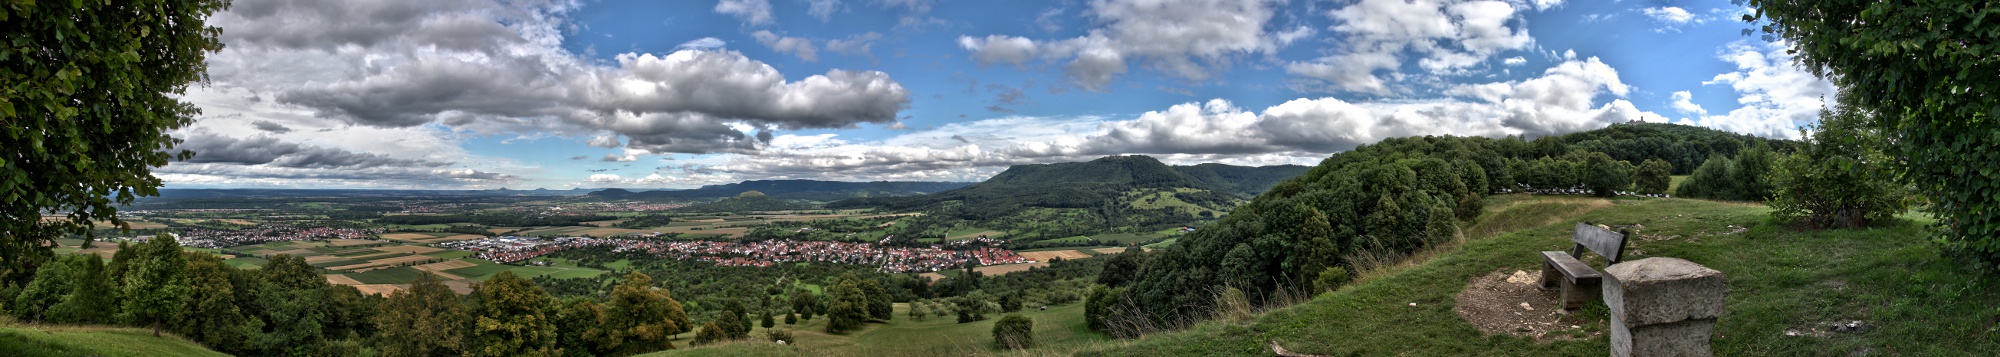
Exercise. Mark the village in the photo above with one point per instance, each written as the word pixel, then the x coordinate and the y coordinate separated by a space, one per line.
pixel 510 249
pixel 264 233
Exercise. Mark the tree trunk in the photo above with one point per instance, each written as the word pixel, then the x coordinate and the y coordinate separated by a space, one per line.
pixel 156 328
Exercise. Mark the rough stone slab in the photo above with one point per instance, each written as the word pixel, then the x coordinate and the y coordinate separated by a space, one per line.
pixel 1663 290
pixel 1685 338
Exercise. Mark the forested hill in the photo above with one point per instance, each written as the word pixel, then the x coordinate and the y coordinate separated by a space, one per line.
pixel 1096 183
pixel 1242 180
pixel 1400 195
pixel 751 201
pixel 1684 146
pixel 788 189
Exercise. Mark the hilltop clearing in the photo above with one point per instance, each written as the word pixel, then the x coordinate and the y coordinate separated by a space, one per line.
pixel 1883 290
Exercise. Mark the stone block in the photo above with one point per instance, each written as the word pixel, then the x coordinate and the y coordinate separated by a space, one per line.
pixel 1663 306
pixel 1685 338
pixel 1664 290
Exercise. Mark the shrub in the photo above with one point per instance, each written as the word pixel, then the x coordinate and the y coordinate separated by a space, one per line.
pixel 1014 332
pixel 709 334
pixel 1332 278
pixel 1839 178
pixel 776 335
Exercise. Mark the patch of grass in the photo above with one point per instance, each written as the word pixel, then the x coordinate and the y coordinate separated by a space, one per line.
pixel 620 264
pixel 1057 331
pixel 1508 213
pixel 1674 183
pixel 550 271
pixel 752 347
pixel 340 262
pixel 34 340
pixel 480 268
pixel 1125 238
pixel 1066 239
pixel 396 275
pixel 1162 244
pixel 247 262
pixel 1892 278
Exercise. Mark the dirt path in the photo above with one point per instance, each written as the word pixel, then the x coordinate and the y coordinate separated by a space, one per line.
pixel 1502 303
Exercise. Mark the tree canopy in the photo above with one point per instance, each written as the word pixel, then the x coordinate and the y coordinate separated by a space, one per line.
pixel 88 93
pixel 1931 69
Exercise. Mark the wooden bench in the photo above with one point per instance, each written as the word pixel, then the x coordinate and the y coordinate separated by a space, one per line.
pixel 1578 281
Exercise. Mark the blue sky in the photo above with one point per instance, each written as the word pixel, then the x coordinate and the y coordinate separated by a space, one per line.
pixel 480 94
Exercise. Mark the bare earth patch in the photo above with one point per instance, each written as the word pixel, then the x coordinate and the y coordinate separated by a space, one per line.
pixel 378 289
pixel 439 268
pixel 1047 255
pixel 1501 303
pixel 994 270
pixel 405 236
pixel 349 242
pixel 461 287
pixel 339 279
pixel 1116 250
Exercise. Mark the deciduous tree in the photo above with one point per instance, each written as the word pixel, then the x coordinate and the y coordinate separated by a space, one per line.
pixel 89 91
pixel 1653 177
pixel 1929 69
pixel 156 285
pixel 511 318
pixel 644 318
pixel 427 319
pixel 213 317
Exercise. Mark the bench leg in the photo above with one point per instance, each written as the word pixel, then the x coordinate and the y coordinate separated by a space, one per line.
pixel 1550 276
pixel 1574 295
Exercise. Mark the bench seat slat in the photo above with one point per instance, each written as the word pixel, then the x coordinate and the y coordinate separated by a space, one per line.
pixel 1576 270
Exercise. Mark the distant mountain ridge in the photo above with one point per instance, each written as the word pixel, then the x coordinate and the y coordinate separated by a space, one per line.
pixel 300 193
pixel 812 190
pixel 1096 183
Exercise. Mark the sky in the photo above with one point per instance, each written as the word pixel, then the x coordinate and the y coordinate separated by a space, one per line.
pixel 525 94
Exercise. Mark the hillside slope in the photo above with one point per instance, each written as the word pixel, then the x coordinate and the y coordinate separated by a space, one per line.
pixel 1110 180
pixel 24 340
pixel 751 201
pixel 1784 295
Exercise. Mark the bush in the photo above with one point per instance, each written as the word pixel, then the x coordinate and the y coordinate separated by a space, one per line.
pixel 1014 332
pixel 709 334
pixel 1839 178
pixel 1332 279
pixel 776 335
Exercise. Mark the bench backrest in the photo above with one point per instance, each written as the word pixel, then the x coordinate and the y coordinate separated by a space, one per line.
pixel 1604 242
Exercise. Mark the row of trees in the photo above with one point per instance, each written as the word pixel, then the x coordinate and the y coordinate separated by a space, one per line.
pixel 286 308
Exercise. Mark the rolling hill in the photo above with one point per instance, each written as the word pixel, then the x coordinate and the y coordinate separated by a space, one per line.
pixel 1108 181
pixel 751 201
pixel 811 190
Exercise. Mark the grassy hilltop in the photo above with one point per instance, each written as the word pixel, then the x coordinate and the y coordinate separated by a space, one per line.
pixel 1787 288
